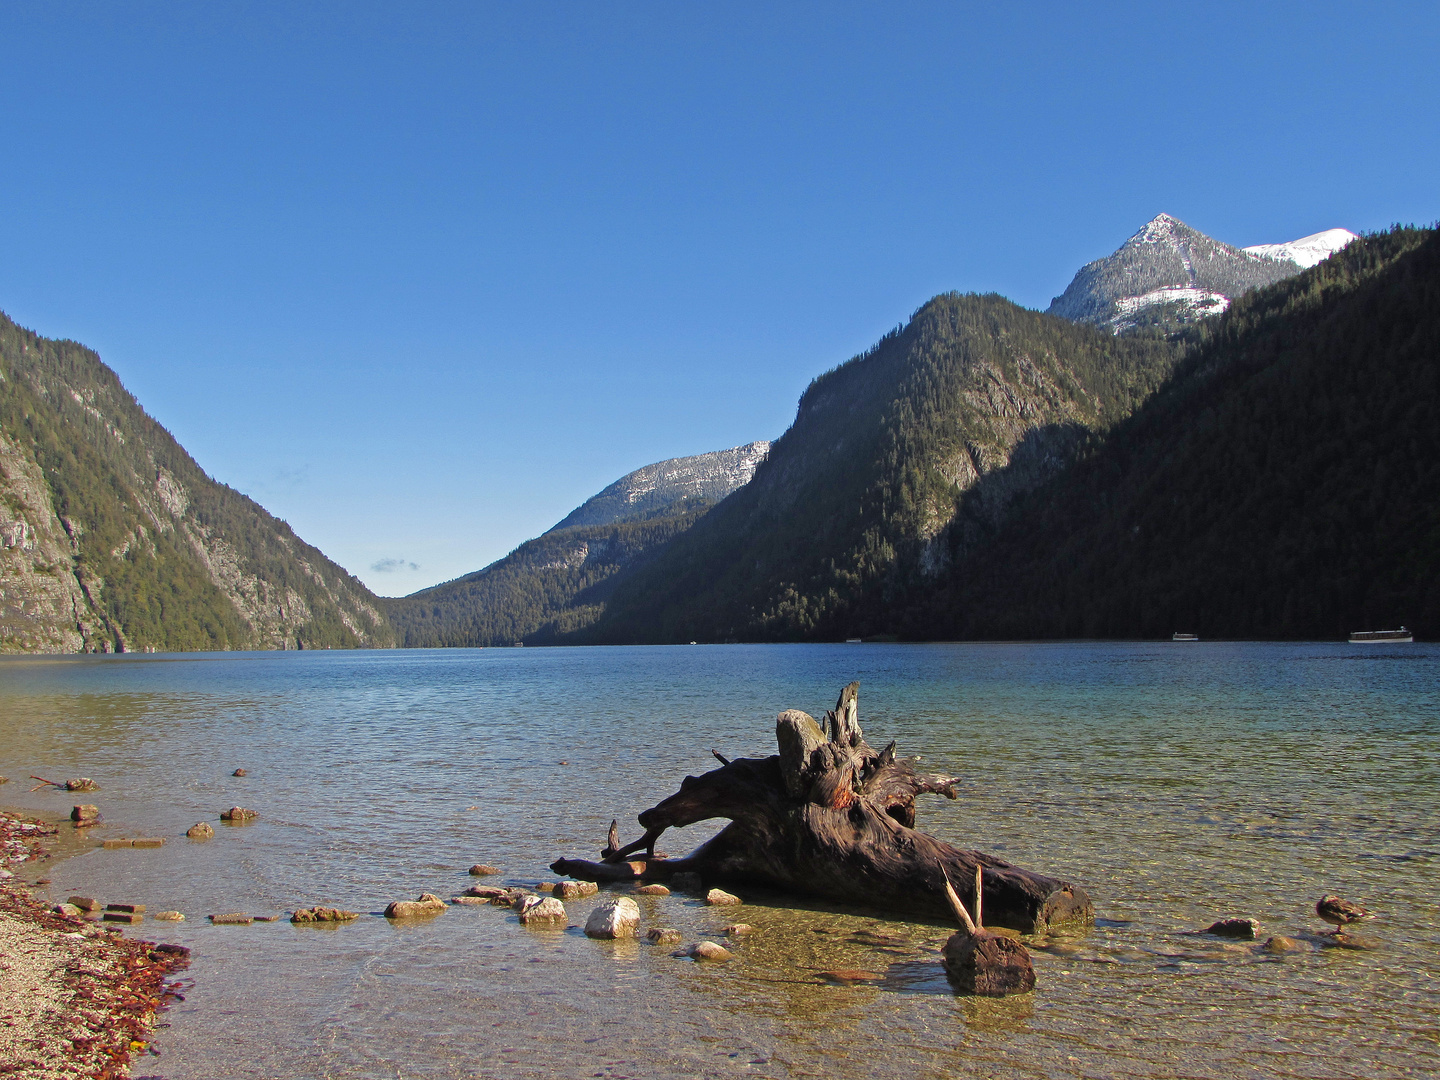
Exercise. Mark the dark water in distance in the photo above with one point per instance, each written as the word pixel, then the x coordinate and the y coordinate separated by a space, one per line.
pixel 1177 783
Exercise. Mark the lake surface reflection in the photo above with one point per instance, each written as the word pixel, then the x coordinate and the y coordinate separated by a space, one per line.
pixel 1177 783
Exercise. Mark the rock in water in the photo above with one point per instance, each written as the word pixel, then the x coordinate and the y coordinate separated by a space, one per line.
pixel 1279 944
pixel 708 950
pixel 653 890
pixel 70 911
pixel 201 830
pixel 988 965
pixel 719 897
pixel 481 869
pixel 238 815
pixel 1244 929
pixel 618 917
pixel 575 890
pixel 424 904
pixel 169 916
pixel 322 914
pixel 81 783
pixel 666 935
pixel 538 911
pixel 84 812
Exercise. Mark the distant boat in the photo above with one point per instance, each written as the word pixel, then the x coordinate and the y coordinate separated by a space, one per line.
pixel 1386 636
pixel 1184 637
pixel 852 641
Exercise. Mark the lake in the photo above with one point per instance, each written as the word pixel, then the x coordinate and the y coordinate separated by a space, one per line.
pixel 1176 782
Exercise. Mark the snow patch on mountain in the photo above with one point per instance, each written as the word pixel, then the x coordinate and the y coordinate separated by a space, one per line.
pixel 1308 250
pixel 1197 303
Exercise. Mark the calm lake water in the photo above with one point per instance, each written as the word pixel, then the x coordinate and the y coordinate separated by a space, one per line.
pixel 1177 783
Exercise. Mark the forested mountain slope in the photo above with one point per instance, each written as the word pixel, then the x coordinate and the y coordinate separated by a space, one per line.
pixel 112 538
pixel 1285 483
pixel 560 582
pixel 852 508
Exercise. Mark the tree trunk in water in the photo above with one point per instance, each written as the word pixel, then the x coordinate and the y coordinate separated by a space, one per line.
pixel 830 817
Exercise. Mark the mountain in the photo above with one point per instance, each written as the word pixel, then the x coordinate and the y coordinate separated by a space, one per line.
pixel 1284 483
pixel 1169 274
pixel 853 507
pixel 112 538
pixel 706 478
pixel 559 583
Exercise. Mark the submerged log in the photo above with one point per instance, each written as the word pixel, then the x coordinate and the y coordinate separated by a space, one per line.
pixel 830 817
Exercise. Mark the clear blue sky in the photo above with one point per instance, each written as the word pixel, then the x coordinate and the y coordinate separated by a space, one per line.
pixel 421 278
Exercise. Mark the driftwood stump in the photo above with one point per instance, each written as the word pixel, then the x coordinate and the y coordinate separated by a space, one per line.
pixel 981 963
pixel 831 817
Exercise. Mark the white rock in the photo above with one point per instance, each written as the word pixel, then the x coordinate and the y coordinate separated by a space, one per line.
pixel 615 918
pixel 542 911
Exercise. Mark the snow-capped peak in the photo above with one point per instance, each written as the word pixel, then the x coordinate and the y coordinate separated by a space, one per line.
pixel 1308 250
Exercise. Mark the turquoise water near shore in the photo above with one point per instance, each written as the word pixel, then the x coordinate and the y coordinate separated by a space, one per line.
pixel 1177 783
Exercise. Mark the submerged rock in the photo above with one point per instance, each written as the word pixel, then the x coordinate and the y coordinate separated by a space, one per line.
pixel 323 914
pixel 240 772
pixel 542 911
pixel 1279 943
pixel 709 950
pixel 618 917
pixel 666 935
pixel 575 890
pixel 737 929
pixel 235 918
pixel 848 976
pixel 653 890
pixel 422 905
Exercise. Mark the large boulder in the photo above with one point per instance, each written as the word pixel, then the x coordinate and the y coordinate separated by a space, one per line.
pixel 618 917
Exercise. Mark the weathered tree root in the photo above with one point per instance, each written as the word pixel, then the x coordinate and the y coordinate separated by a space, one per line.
pixel 830 817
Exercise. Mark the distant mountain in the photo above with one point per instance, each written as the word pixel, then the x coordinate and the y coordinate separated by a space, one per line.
pixel 559 583
pixel 705 477
pixel 1169 274
pixel 1284 483
pixel 112 538
pixel 854 505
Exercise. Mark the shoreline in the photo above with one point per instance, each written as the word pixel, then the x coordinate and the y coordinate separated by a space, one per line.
pixel 77 1000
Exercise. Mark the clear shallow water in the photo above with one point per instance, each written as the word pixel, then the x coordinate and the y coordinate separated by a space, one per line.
pixel 1176 783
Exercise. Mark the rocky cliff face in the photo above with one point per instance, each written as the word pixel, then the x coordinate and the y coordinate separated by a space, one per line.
pixel 1170 271
pixel 112 538
pixel 705 477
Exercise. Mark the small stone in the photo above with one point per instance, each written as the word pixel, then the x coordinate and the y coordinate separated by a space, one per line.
pixel 85 812
pixel 618 917
pixel 85 903
pixel 130 918
pixel 547 886
pixel 575 890
pixel 201 830
pixel 239 772
pixel 542 911
pixel 134 909
pixel 737 929
pixel 481 869
pixel 235 918
pixel 511 898
pixel 112 844
pixel 469 901
pixel 1279 943
pixel 489 892
pixel 653 890
pixel 708 950
pixel 323 914
pixel 988 965
pixel 686 882
pixel 848 976
pixel 423 905
pixel 81 783
pixel 169 916
pixel 267 918
pixel 720 897
pixel 148 841
pixel 667 935
pixel 70 911
pixel 238 815
pixel 1244 929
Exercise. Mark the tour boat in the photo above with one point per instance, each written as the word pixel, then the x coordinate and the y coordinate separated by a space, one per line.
pixel 1184 637
pixel 1386 636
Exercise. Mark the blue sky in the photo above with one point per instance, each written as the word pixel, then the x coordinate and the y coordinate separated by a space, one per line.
pixel 420 278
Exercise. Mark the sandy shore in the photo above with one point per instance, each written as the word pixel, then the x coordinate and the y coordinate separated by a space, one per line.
pixel 76 1000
